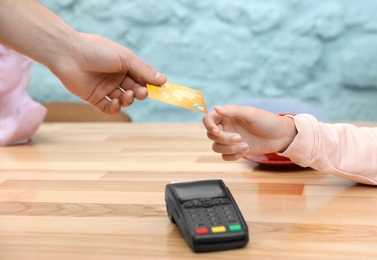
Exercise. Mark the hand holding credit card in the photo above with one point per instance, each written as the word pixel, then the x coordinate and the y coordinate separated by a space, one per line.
pixel 179 96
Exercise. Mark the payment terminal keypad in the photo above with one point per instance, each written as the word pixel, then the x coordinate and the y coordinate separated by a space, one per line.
pixel 211 216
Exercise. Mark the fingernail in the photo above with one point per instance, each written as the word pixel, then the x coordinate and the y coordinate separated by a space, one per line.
pixel 159 76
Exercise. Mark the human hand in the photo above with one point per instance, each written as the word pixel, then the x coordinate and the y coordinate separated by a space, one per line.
pixel 239 130
pixel 95 69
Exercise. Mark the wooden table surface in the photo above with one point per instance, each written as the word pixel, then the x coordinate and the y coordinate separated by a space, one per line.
pixel 96 191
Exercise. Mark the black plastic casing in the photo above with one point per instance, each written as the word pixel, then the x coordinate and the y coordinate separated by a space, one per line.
pixel 176 194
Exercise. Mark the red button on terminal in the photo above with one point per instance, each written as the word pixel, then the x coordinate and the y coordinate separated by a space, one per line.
pixel 201 231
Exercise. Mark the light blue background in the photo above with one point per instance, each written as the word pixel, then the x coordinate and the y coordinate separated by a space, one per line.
pixel 323 53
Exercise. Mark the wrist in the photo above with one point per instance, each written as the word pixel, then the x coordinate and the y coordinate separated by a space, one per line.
pixel 60 47
pixel 64 58
pixel 290 132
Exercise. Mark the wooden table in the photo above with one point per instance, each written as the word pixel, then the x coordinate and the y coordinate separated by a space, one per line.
pixel 96 191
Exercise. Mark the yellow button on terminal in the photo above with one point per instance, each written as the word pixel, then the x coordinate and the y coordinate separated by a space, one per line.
pixel 218 229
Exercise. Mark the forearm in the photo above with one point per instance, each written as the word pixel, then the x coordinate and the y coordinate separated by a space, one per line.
pixel 340 149
pixel 34 31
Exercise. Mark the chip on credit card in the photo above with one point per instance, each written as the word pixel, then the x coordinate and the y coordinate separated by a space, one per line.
pixel 178 95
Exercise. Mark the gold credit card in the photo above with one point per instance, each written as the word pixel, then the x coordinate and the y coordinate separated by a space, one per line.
pixel 177 95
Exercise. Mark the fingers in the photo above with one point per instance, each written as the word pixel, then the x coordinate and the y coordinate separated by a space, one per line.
pixel 212 120
pixel 225 138
pixel 113 102
pixel 109 106
pixel 231 157
pixel 212 123
pixel 139 92
pixel 230 145
pixel 231 152
pixel 124 97
pixel 132 86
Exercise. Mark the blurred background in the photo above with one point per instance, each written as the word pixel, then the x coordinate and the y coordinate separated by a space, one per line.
pixel 319 53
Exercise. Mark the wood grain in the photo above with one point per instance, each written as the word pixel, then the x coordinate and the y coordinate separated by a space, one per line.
pixel 96 191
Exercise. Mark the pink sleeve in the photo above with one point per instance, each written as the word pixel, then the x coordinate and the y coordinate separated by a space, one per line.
pixel 341 149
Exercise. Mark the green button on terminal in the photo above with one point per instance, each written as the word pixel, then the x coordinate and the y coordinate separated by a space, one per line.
pixel 236 227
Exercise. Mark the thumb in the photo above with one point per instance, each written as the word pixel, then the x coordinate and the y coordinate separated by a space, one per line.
pixel 142 72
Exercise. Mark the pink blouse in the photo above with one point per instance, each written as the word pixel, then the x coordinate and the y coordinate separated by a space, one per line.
pixel 341 149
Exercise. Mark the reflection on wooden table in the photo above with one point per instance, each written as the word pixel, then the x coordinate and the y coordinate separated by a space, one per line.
pixel 96 191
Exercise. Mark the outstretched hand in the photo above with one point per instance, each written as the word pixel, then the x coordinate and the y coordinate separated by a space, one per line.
pixel 239 130
pixel 105 73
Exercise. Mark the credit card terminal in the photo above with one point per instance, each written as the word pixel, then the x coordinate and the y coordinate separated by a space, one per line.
pixel 207 215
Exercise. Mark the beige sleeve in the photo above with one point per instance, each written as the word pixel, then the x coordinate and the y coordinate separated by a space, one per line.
pixel 341 149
